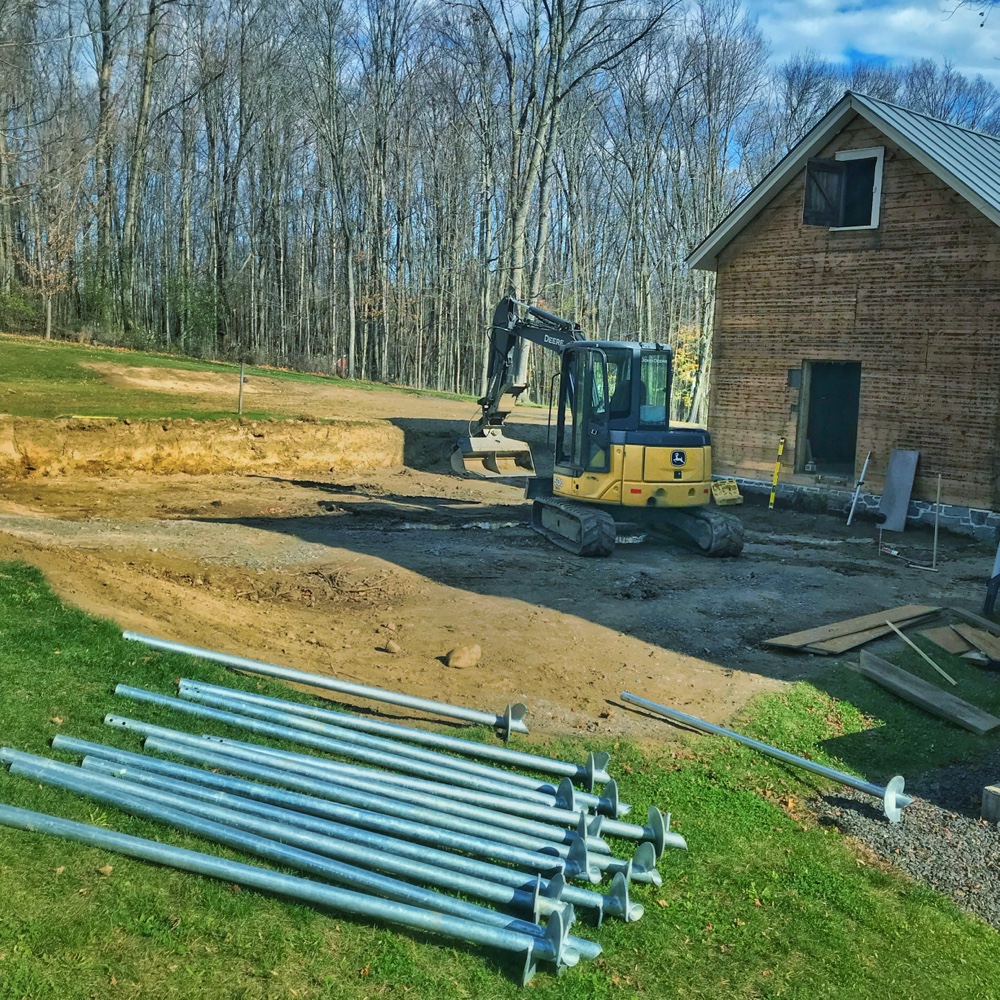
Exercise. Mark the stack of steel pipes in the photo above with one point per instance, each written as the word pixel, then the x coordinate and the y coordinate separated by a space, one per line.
pixel 400 819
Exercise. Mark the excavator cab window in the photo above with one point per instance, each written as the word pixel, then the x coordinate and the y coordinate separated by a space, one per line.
pixel 582 441
pixel 654 396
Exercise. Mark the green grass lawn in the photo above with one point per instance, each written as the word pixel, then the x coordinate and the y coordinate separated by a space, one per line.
pixel 761 905
pixel 41 378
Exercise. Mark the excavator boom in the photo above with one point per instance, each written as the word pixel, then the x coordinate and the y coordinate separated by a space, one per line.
pixel 487 452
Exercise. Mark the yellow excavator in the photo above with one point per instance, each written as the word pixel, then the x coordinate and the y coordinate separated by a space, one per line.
pixel 616 450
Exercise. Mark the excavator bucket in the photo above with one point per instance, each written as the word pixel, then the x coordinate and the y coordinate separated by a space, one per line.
pixel 490 455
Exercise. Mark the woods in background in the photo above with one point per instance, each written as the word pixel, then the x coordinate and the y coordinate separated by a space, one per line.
pixel 350 185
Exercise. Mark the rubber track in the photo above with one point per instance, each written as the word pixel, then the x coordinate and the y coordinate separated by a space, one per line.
pixel 711 532
pixel 597 527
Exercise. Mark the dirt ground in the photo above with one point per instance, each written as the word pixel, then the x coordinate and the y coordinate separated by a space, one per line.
pixel 321 573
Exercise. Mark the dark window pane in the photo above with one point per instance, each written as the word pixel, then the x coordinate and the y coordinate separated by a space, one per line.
pixel 859 186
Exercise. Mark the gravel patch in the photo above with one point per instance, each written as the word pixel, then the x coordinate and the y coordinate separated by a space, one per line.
pixel 941 840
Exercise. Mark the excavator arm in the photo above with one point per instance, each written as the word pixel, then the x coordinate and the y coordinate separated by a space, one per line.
pixel 487 451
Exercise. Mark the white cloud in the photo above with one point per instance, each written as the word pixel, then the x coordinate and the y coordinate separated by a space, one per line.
pixel 896 30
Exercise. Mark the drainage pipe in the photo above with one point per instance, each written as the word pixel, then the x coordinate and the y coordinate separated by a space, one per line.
pixel 552 949
pixel 893 799
pixel 511 720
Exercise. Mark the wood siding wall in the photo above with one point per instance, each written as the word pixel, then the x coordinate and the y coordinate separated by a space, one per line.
pixel 915 301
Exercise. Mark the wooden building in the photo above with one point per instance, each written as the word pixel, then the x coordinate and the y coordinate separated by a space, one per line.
pixel 858 309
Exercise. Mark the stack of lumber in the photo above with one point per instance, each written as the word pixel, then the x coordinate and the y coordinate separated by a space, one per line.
pixel 839 637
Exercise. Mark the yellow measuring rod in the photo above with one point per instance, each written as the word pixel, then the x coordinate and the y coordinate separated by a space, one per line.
pixel 777 469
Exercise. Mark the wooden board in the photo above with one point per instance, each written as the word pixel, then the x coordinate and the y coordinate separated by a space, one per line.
pixel 947 638
pixel 796 640
pixel 989 644
pixel 983 623
pixel 845 642
pixel 927 696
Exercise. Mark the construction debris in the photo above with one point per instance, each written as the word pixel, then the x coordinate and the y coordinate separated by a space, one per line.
pixel 982 640
pixel 909 642
pixel 895 499
pixel 927 696
pixel 947 638
pixel 839 637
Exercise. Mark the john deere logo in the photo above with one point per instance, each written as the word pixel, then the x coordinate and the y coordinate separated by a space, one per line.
pixel 677 458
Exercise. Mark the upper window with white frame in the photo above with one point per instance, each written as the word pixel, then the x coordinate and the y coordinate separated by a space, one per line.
pixel 845 192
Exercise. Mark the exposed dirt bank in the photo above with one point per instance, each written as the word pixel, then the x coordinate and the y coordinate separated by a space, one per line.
pixel 94 446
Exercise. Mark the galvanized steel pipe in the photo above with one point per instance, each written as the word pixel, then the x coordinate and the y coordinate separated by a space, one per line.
pixel 362 847
pixel 242 831
pixel 511 720
pixel 560 813
pixel 354 737
pixel 300 849
pixel 575 853
pixel 656 831
pixel 321 815
pixel 348 776
pixel 552 949
pixel 579 859
pixel 381 814
pixel 893 799
pixel 595 770
pixel 542 792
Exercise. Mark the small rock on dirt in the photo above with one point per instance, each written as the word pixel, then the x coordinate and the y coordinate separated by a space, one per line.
pixel 393 647
pixel 463 656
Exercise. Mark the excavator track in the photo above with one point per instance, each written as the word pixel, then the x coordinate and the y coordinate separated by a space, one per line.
pixel 710 531
pixel 579 528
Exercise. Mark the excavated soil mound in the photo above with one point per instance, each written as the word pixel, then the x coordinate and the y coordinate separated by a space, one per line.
pixel 32 447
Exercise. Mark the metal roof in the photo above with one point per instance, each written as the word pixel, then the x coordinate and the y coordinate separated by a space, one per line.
pixel 969 162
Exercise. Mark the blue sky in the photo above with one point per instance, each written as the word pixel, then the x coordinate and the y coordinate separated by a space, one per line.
pixel 896 31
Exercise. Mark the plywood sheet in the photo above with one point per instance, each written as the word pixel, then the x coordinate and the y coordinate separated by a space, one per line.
pixel 989 644
pixel 796 640
pixel 947 638
pixel 927 696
